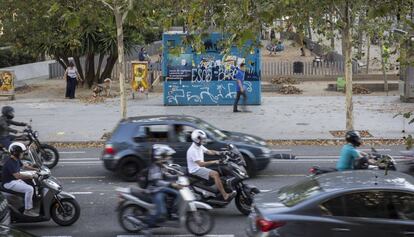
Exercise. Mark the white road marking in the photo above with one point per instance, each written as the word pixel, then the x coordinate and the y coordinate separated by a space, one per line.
pixel 72 152
pixel 80 159
pixel 264 190
pixel 281 150
pixel 80 193
pixel 175 235
pixel 56 236
pixel 83 177
pixel 379 149
pixel 281 175
pixel 80 162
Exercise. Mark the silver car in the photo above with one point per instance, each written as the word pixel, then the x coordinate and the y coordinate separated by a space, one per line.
pixel 350 203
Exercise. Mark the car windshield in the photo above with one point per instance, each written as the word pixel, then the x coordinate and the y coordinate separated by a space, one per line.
pixel 294 194
pixel 211 129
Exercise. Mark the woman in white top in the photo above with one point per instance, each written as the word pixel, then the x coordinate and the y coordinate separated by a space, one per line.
pixel 71 76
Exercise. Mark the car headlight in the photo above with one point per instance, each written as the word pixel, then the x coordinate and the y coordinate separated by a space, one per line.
pixel 266 151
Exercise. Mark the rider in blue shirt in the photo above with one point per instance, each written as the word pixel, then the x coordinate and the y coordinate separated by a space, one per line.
pixel 349 152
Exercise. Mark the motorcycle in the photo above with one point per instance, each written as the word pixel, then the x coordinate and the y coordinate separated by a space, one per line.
pixel 48 200
pixel 274 48
pixel 232 173
pixel 136 204
pixel 48 153
pixel 378 162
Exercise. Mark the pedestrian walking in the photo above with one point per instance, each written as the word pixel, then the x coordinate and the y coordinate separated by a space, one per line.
pixel 241 90
pixel 72 77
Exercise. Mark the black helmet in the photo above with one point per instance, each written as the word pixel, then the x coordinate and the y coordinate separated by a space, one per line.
pixel 17 148
pixel 353 137
pixel 8 112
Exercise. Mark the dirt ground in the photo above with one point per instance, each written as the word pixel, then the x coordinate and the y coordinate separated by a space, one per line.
pixel 54 89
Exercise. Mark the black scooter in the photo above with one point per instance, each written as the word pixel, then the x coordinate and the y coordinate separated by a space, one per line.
pixel 232 172
pixel 48 200
pixel 381 162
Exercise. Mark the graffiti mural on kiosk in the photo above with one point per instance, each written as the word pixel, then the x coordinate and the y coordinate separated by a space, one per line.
pixel 207 78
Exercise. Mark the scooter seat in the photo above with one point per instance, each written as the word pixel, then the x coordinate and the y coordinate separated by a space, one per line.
pixel 3 189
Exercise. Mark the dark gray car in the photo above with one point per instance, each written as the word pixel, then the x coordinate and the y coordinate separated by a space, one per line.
pixel 350 203
pixel 128 149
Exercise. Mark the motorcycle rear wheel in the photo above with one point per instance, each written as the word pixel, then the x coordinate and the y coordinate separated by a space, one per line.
pixel 199 223
pixel 71 214
pixel 50 155
pixel 133 210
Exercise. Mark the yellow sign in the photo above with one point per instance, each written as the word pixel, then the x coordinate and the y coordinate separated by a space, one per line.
pixel 139 75
pixel 6 83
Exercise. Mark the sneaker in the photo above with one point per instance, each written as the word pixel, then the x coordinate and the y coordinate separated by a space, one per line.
pixel 30 212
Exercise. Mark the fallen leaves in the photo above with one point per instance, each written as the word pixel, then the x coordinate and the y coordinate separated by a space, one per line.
pixel 341 133
pixel 92 99
pixel 289 89
pixel 357 89
pixel 335 142
pixel 284 80
pixel 25 89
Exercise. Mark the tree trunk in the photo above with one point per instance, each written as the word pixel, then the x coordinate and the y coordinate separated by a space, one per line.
pixel 368 51
pixel 347 49
pixel 309 29
pixel 98 70
pixel 360 36
pixel 110 63
pixel 90 69
pixel 332 29
pixel 120 39
pixel 384 70
pixel 79 67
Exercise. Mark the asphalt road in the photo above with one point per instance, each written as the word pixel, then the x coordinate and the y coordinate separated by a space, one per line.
pixel 83 174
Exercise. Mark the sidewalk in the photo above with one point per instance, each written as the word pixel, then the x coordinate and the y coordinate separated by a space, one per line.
pixel 279 117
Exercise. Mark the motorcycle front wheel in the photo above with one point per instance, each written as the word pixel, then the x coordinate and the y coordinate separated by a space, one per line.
pixel 199 222
pixel 50 155
pixel 133 211
pixel 243 204
pixel 67 215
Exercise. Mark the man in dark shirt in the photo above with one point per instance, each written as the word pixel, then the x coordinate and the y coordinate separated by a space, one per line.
pixel 6 119
pixel 13 180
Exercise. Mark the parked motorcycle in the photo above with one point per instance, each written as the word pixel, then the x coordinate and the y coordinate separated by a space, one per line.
pixel 48 200
pixel 48 153
pixel 136 204
pixel 274 48
pixel 232 173
pixel 378 162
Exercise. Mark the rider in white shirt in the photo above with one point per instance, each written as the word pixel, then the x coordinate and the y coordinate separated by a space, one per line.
pixel 197 166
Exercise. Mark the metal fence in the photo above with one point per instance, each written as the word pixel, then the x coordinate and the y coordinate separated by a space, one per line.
pixel 305 68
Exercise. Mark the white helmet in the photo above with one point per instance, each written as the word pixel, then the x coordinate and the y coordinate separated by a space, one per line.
pixel 16 148
pixel 198 136
pixel 160 152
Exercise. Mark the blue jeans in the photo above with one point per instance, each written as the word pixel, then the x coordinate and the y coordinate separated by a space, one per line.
pixel 158 199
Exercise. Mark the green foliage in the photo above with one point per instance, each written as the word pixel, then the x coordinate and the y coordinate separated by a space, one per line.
pixel 9 58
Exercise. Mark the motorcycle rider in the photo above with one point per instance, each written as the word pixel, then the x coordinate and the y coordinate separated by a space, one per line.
pixel 197 166
pixel 349 151
pixel 158 183
pixel 12 179
pixel 6 119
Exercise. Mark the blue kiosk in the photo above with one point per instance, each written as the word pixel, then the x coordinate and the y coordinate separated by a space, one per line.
pixel 207 78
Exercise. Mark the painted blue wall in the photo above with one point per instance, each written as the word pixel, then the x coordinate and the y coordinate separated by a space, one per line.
pixel 207 78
